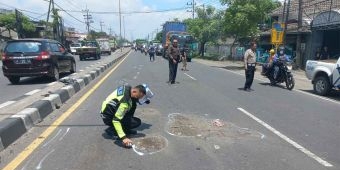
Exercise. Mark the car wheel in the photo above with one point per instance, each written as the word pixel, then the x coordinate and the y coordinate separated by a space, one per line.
pixel 81 58
pixel 73 67
pixel 321 85
pixel 55 74
pixel 110 53
pixel 14 80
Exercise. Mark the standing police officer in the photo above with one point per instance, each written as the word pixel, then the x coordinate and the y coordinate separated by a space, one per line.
pixel 173 54
pixel 250 65
pixel 118 110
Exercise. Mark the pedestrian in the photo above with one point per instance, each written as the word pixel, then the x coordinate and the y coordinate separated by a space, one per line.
pixel 324 54
pixel 118 111
pixel 250 65
pixel 152 51
pixel 184 55
pixel 317 54
pixel 173 54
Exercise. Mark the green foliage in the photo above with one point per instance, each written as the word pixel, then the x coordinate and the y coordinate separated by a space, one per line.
pixel 206 27
pixel 9 22
pixel 243 16
pixel 94 35
pixel 159 36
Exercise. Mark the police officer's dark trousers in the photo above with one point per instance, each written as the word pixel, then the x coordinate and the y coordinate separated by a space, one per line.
pixel 172 71
pixel 249 76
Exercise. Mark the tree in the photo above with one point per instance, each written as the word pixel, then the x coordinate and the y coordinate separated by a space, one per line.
pixel 205 28
pixel 8 21
pixel 242 17
pixel 159 36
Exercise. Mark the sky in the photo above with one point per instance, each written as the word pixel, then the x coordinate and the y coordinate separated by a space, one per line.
pixel 137 25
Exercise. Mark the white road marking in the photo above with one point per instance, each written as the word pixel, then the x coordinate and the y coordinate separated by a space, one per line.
pixel 300 91
pixel 135 77
pixel 52 138
pixel 288 140
pixel 32 92
pixel 62 137
pixel 81 70
pixel 43 159
pixel 6 104
pixel 138 73
pixel 51 84
pixel 74 74
pixel 190 76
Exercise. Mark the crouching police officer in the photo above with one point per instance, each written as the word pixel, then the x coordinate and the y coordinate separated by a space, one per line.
pixel 118 110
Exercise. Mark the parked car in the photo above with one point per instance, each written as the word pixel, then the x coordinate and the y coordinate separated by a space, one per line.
pixel 36 57
pixel 324 75
pixel 89 49
pixel 74 47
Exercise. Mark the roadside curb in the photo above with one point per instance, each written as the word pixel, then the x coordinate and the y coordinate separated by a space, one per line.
pixel 14 127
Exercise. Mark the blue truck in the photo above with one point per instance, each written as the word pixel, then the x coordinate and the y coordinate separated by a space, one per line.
pixel 177 30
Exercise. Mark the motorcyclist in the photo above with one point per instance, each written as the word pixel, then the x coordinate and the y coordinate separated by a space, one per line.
pixel 267 66
pixel 118 110
pixel 278 59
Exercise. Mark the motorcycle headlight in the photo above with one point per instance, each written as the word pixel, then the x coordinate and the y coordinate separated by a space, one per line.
pixel 290 67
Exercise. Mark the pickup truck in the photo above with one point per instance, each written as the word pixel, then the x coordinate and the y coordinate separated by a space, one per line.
pixel 325 76
pixel 89 49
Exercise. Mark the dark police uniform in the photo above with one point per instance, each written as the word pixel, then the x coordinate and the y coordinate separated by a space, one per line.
pixel 173 53
pixel 118 111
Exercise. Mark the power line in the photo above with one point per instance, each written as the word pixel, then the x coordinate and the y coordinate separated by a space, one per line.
pixel 131 12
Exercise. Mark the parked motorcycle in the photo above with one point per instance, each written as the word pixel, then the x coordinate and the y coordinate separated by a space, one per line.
pixel 281 72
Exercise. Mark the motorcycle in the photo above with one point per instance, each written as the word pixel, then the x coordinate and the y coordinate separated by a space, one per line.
pixel 281 72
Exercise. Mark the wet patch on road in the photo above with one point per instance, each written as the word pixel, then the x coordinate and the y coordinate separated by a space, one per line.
pixel 150 145
pixel 182 125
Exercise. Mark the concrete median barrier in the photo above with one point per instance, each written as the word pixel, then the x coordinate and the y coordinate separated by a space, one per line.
pixel 18 124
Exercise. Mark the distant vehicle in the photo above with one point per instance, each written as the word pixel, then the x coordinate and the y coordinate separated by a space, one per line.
pixel 178 30
pixel 324 76
pixel 74 47
pixel 36 57
pixel 89 49
pixel 104 46
pixel 113 45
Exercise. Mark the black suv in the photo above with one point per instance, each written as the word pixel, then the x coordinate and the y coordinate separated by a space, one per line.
pixel 36 57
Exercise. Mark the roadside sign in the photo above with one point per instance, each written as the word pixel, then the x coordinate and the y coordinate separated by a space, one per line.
pixel 277 33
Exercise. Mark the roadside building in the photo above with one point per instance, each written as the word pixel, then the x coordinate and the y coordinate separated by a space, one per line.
pixel 320 27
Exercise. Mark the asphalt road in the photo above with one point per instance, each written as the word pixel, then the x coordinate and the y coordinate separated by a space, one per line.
pixel 269 128
pixel 10 92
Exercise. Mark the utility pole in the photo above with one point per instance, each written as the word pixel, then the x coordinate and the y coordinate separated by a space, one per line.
pixel 88 20
pixel 286 23
pixel 299 36
pixel 124 26
pixel 101 26
pixel 110 31
pixel 120 22
pixel 18 23
pixel 192 4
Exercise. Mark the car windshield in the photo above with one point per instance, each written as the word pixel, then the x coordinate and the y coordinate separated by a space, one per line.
pixel 23 47
pixel 75 45
pixel 89 44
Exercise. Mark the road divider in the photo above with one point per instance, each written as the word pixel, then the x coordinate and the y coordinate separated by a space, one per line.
pixel 15 126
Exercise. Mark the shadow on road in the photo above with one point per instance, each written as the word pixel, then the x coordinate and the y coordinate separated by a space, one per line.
pixel 231 67
pixel 36 80
pixel 335 95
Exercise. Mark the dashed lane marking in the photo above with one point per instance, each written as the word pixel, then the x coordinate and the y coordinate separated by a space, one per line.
pixel 6 104
pixel 288 140
pixel 32 92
